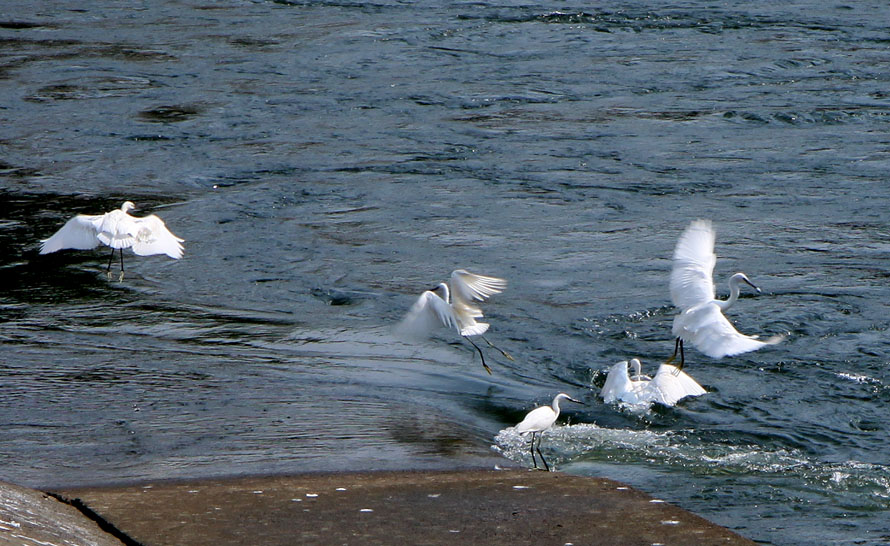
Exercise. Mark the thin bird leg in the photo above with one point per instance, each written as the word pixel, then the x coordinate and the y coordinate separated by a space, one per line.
pixel 677 345
pixel 108 269
pixel 673 356
pixel 546 466
pixel 484 365
pixel 493 346
pixel 682 356
pixel 121 279
pixel 534 462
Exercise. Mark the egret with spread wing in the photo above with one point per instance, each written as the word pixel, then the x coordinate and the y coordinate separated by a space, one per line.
pixel 452 306
pixel 668 387
pixel 119 230
pixel 701 321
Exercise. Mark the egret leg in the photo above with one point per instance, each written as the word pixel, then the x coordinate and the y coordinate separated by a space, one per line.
pixel 121 279
pixel 482 356
pixel 493 346
pixel 673 356
pixel 682 356
pixel 108 269
pixel 534 462
pixel 678 346
pixel 546 466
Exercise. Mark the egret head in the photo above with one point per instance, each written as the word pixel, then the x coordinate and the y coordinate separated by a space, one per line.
pixel 128 206
pixel 638 368
pixel 441 290
pixel 564 396
pixel 742 278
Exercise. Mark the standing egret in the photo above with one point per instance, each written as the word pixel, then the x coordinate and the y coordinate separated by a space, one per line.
pixel 701 320
pixel 668 387
pixel 540 419
pixel 119 230
pixel 453 308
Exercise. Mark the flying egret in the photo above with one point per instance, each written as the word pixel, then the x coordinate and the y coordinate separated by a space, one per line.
pixel 119 230
pixel 540 419
pixel 701 320
pixel 668 387
pixel 453 308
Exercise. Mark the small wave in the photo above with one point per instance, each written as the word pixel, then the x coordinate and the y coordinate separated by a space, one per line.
pixel 858 378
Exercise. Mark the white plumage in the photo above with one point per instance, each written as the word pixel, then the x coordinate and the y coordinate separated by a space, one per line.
pixel 118 230
pixel 668 387
pixel 701 320
pixel 452 305
pixel 540 419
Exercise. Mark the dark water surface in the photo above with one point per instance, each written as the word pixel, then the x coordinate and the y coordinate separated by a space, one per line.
pixel 328 161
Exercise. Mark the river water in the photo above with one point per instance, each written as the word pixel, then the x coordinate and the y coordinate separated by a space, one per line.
pixel 328 161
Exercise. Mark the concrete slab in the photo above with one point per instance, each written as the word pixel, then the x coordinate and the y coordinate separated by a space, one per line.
pixel 468 507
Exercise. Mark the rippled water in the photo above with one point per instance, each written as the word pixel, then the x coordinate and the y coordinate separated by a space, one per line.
pixel 327 161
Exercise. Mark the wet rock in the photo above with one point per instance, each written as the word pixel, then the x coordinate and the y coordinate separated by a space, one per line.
pixel 31 517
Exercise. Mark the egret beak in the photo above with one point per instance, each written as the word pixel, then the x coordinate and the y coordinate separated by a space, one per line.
pixel 751 284
pixel 576 401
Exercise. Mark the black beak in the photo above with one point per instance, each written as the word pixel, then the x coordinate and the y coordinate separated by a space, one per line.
pixel 751 284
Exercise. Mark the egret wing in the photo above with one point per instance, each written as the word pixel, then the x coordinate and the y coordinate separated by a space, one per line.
pixel 617 383
pixel 78 233
pixel 467 287
pixel 466 316
pixel 428 313
pixel 670 385
pixel 151 236
pixel 712 333
pixel 537 420
pixel 619 387
pixel 692 275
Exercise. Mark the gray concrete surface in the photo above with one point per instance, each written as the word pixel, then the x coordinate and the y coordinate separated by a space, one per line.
pixel 466 507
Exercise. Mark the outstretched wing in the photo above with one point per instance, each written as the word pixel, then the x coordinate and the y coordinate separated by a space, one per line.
pixel 694 259
pixel 712 333
pixel 670 385
pixel 617 383
pixel 467 287
pixel 78 233
pixel 428 313
pixel 151 236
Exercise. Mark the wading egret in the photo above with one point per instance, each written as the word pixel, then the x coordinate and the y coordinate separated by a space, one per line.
pixel 701 321
pixel 119 230
pixel 453 307
pixel 540 419
pixel 668 387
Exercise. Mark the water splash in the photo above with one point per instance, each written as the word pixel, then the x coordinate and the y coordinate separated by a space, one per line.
pixel 852 483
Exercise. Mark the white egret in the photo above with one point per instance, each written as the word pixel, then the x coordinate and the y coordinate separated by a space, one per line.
pixel 668 387
pixel 454 308
pixel 540 419
pixel 119 230
pixel 701 320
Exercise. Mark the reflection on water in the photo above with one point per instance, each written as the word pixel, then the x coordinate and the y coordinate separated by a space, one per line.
pixel 320 185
